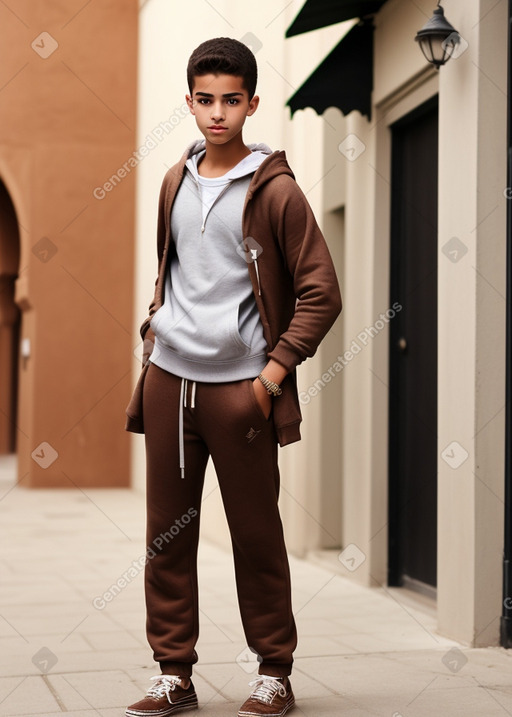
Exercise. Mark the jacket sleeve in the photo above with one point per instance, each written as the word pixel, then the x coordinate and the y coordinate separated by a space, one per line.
pixel 318 299
pixel 147 335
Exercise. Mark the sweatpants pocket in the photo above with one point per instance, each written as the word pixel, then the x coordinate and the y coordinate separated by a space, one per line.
pixel 255 402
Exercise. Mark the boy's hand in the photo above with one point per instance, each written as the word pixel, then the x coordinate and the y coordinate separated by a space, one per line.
pixel 263 398
pixel 275 372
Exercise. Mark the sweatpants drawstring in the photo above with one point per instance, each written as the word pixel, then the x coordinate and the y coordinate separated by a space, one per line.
pixel 183 404
pixel 183 396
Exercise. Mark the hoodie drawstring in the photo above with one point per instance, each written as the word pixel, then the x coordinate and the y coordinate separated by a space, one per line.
pixel 183 404
pixel 255 261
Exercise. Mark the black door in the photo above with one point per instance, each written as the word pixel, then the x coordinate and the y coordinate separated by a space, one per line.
pixel 413 351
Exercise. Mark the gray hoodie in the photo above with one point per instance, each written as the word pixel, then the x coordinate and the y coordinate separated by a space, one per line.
pixel 209 328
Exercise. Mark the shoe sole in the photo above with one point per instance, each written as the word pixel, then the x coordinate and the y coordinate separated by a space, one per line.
pixel 188 703
pixel 288 706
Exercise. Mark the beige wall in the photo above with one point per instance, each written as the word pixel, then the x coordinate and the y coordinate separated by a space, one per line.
pixel 472 326
pixel 67 120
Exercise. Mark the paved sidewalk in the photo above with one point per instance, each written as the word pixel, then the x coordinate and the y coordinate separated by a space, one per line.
pixel 361 651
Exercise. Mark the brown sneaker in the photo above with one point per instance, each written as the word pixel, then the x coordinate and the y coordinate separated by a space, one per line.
pixel 165 697
pixel 271 697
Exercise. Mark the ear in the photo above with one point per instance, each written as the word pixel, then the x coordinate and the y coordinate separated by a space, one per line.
pixel 190 103
pixel 253 105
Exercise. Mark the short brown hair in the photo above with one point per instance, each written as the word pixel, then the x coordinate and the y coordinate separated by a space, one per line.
pixel 224 55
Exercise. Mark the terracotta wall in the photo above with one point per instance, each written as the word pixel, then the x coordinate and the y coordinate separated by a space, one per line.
pixel 67 124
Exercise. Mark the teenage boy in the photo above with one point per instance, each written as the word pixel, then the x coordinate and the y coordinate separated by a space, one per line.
pixel 246 291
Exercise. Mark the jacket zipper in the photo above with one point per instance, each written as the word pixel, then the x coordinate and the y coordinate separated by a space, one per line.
pixel 224 189
pixel 255 261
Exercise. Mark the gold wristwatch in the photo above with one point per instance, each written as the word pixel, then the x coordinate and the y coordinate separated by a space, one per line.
pixel 272 387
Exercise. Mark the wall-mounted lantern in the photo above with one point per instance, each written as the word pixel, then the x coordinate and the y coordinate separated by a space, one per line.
pixel 437 38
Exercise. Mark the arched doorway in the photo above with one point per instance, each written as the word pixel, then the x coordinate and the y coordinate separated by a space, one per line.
pixel 10 319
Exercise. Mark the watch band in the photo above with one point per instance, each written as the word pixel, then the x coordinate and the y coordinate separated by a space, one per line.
pixel 272 387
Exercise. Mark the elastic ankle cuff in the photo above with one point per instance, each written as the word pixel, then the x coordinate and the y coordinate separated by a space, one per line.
pixel 273 670
pixel 183 669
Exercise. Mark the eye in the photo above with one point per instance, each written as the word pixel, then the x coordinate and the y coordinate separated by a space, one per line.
pixel 233 101
pixel 203 101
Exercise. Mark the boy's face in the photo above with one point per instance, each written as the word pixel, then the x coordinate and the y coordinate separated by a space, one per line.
pixel 220 105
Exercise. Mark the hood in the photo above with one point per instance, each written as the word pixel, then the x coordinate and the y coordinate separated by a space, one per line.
pixel 272 165
pixel 248 165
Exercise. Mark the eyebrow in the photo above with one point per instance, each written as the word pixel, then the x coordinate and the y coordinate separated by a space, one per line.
pixel 227 94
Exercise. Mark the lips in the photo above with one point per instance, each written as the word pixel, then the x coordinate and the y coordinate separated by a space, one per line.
pixel 216 126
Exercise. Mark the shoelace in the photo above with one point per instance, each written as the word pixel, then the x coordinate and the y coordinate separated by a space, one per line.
pixel 163 685
pixel 266 689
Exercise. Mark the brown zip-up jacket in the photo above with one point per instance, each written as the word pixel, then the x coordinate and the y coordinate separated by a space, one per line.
pixel 292 276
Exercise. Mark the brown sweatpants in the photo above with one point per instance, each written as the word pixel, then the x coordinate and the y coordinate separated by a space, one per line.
pixel 223 420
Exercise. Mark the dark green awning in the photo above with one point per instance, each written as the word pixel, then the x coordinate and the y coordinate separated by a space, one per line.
pixel 344 79
pixel 320 13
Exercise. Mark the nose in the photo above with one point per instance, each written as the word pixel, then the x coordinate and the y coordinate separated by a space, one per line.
pixel 217 112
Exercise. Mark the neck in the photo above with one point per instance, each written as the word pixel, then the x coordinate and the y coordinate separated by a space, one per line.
pixel 220 158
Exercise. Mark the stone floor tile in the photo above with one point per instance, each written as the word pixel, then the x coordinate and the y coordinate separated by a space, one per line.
pixel 335 706
pixel 96 689
pixel 223 652
pixel 16 646
pixel 114 712
pixel 25 695
pixel 318 626
pixel 218 615
pixel 490 666
pixel 73 662
pixel 364 643
pixel 59 625
pixel 66 694
pixel 229 680
pixel 209 633
pixel 319 645
pixel 356 675
pixel 121 640
pixel 306 687
pixel 464 702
